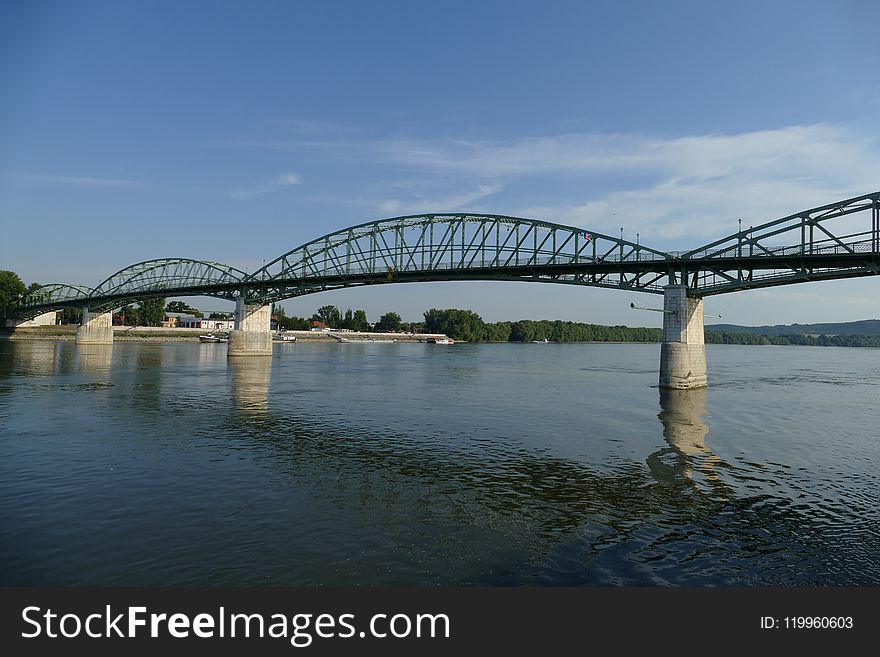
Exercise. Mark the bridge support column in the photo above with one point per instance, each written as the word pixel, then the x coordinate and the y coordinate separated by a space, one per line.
pixel 252 335
pixel 95 328
pixel 683 352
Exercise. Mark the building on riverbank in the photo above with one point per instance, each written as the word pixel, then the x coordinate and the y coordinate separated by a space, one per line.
pixel 206 324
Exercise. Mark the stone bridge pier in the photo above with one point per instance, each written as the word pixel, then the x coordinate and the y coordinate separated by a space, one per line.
pixel 95 328
pixel 683 351
pixel 252 334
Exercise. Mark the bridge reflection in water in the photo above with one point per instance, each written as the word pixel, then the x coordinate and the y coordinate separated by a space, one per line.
pixel 348 479
pixel 250 385
pixel 94 358
pixel 683 416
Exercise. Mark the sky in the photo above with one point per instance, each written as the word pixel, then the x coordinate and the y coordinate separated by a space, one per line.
pixel 236 131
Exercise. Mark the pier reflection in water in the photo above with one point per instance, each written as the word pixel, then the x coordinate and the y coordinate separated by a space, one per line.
pixel 684 419
pixel 94 358
pixel 37 358
pixel 250 384
pixel 397 465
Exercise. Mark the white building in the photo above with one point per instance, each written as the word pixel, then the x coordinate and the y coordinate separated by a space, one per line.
pixel 189 321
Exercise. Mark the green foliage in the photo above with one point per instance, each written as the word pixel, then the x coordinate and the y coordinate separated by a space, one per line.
pixel 293 323
pixel 71 316
pixel 467 326
pixel 128 316
pixel 329 315
pixel 560 331
pixel 181 307
pixel 359 321
pixel 152 312
pixel 356 321
pixel 721 337
pixel 463 325
pixel 11 287
pixel 389 322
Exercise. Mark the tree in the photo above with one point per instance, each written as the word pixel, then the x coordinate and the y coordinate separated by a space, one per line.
pixel 464 325
pixel 181 307
pixel 71 316
pixel 123 316
pixel 329 315
pixel 130 316
pixel 152 312
pixel 11 287
pixel 359 321
pixel 293 323
pixel 388 322
pixel 297 323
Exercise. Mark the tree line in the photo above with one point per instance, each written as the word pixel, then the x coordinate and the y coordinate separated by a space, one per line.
pixel 468 326
pixel 332 317
pixel 459 324
pixel 724 337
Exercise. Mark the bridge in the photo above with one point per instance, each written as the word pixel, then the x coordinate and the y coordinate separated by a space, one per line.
pixel 833 241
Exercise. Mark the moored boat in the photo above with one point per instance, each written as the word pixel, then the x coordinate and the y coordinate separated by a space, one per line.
pixel 209 337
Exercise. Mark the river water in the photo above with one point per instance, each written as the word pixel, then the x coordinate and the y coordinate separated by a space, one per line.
pixel 414 464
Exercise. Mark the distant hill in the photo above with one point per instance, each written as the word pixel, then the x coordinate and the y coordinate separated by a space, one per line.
pixel 861 327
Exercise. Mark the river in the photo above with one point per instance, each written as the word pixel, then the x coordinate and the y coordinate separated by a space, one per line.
pixel 413 464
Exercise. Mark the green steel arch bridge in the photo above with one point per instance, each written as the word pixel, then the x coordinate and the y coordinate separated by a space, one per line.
pixel 834 241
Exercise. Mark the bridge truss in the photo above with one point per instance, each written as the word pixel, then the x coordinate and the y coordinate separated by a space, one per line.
pixel 444 247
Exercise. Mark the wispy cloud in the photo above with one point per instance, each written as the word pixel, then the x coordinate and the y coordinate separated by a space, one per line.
pixel 700 186
pixel 281 181
pixel 670 189
pixel 78 181
pixel 451 202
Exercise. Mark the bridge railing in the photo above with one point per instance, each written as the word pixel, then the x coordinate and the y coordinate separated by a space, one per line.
pixel 862 242
pixel 805 232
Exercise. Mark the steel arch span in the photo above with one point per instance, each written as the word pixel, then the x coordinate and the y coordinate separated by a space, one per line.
pixel 166 277
pixel 838 240
pixel 799 248
pixel 444 247
pixel 171 277
pixel 51 295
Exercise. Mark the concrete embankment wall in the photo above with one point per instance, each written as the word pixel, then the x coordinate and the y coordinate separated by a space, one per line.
pixel 358 336
pixel 120 333
pixel 162 334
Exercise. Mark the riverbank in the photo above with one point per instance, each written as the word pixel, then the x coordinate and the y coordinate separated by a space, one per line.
pixel 66 332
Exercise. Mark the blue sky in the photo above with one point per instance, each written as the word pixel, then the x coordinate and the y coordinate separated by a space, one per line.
pixel 236 131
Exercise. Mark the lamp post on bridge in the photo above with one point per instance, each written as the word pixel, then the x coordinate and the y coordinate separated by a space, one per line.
pixel 739 239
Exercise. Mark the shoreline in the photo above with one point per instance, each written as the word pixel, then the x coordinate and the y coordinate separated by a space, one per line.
pixel 67 333
pixel 155 335
pixel 161 335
